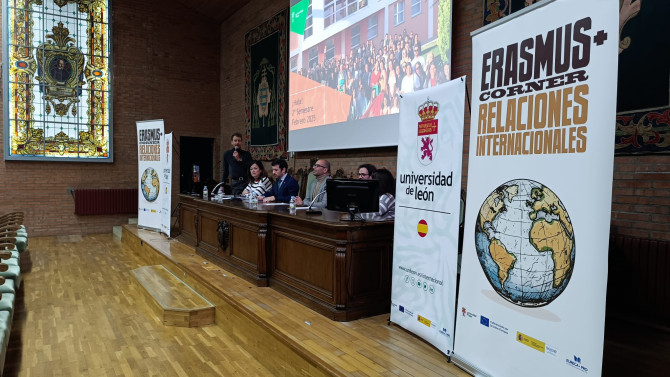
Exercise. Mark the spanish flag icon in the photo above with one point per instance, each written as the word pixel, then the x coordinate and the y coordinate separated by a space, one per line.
pixel 422 228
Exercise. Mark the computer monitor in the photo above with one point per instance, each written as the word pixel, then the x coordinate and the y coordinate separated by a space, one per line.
pixel 352 196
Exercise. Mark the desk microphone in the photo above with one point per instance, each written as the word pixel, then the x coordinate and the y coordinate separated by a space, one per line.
pixel 309 209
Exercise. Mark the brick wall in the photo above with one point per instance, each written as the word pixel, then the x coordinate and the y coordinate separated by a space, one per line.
pixel 641 196
pixel 350 159
pixel 166 61
pixel 171 65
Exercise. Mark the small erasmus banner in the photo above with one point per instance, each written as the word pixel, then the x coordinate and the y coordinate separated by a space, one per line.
pixel 150 170
pixel 531 300
pixel 425 246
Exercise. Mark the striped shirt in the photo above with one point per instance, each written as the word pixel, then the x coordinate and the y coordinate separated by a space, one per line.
pixel 386 209
pixel 260 187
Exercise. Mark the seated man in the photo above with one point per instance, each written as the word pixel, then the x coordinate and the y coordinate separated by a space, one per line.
pixel 315 196
pixel 284 187
pixel 365 171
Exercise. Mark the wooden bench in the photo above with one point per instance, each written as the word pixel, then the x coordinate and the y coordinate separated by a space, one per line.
pixel 174 301
pixel 11 229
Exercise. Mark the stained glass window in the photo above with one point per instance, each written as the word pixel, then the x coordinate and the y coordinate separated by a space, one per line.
pixel 56 80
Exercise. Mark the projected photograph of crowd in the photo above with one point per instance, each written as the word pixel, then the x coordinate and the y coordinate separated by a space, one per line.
pixel 375 76
pixel 361 57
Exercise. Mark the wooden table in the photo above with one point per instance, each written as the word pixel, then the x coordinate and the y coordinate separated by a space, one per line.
pixel 340 269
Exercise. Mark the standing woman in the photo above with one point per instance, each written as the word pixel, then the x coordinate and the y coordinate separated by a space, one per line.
pixel 259 183
pixel 374 78
pixel 433 77
pixel 392 79
pixel 405 58
pixel 395 107
pixel 386 105
pixel 386 197
pixel 383 85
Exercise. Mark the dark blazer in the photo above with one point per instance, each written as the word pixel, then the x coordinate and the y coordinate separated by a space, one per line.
pixel 288 189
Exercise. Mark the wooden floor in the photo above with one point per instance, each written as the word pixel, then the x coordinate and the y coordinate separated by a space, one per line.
pixel 80 314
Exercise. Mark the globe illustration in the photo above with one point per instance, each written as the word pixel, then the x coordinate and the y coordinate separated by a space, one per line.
pixel 150 184
pixel 525 243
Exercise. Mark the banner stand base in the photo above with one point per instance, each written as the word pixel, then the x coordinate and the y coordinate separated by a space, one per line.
pixel 449 354
pixel 467 367
pixel 148 228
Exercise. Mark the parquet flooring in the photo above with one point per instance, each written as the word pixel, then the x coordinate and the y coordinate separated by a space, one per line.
pixel 80 314
pixel 365 347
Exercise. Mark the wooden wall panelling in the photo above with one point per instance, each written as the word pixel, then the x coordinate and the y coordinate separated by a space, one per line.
pixel 246 250
pixel 188 223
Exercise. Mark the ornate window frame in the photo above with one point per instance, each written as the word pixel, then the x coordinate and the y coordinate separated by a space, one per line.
pixel 57 80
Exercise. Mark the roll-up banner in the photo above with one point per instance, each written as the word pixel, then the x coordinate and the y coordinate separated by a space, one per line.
pixel 425 246
pixel 534 267
pixel 166 184
pixel 150 168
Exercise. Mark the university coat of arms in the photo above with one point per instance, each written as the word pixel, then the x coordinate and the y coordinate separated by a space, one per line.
pixel 427 132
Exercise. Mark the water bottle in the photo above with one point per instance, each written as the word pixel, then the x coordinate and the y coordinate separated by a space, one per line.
pixel 291 204
pixel 205 194
pixel 254 198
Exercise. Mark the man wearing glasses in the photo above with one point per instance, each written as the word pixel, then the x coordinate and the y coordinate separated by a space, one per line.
pixel 315 196
pixel 365 171
pixel 418 58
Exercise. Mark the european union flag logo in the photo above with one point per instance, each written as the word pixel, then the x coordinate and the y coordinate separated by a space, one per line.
pixel 402 309
pixel 484 321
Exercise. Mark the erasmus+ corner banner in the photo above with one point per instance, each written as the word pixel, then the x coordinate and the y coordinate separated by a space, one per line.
pixel 150 168
pixel 425 245
pixel 534 268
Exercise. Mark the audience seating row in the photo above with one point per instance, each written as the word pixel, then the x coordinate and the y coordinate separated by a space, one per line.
pixel 13 242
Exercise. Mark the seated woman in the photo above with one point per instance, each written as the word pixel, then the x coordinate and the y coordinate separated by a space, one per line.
pixel 386 197
pixel 259 183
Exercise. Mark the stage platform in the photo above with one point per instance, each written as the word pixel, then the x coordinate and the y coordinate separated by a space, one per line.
pixel 283 335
